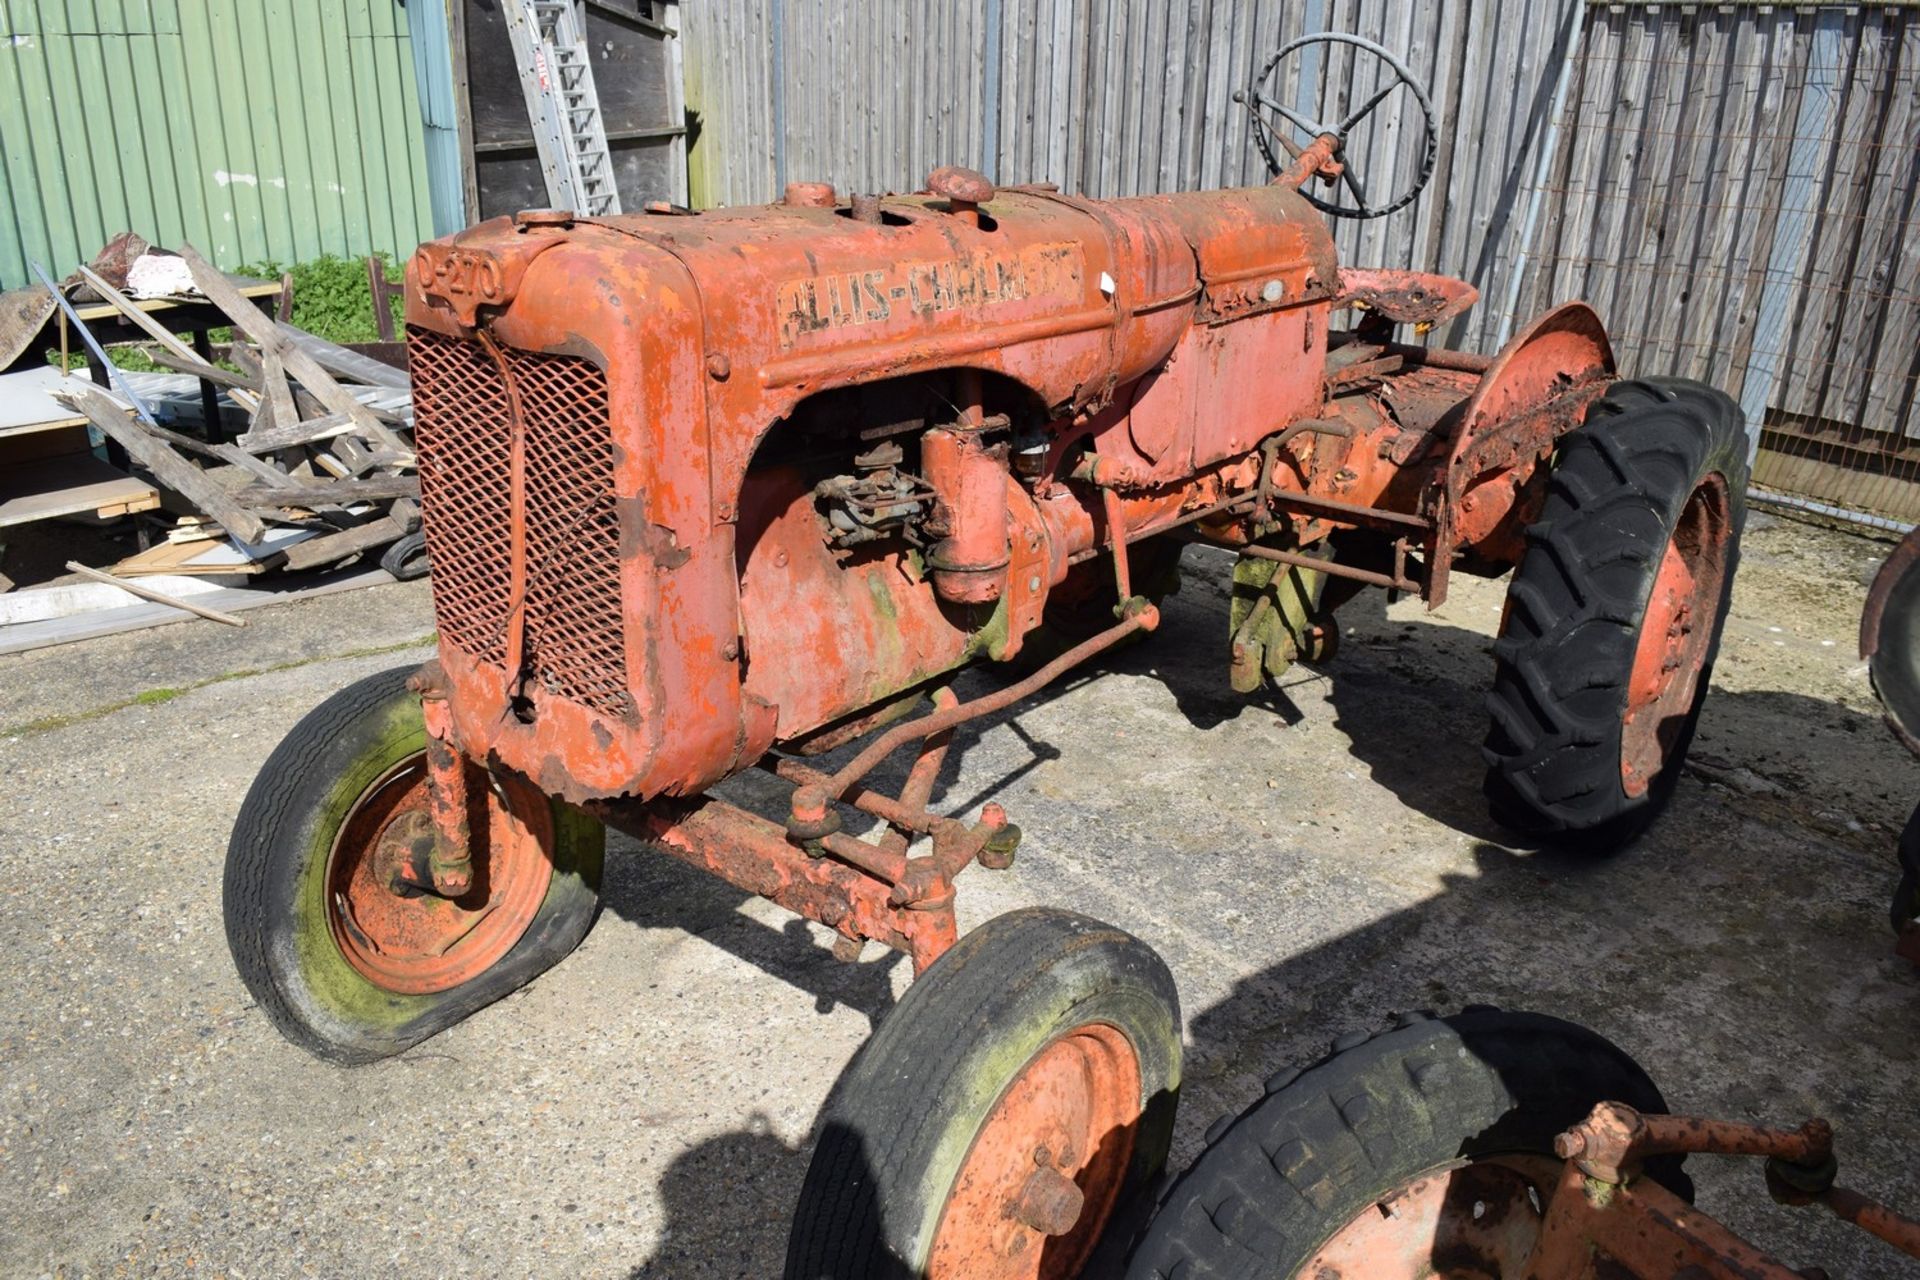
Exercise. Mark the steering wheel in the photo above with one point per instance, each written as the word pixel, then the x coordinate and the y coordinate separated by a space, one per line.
pixel 1259 102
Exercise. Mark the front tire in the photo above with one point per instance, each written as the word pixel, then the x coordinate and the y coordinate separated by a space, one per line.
pixel 1614 615
pixel 348 958
pixel 1022 1089
pixel 1394 1148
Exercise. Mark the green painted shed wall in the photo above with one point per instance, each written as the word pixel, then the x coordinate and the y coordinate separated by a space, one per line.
pixel 255 129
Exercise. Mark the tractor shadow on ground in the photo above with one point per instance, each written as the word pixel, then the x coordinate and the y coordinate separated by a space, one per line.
pixel 1688 948
pixel 1540 932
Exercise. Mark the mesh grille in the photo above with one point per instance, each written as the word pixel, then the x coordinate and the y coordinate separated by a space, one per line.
pixel 573 635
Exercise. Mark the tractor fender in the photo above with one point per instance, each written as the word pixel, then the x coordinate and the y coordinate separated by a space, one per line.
pixel 1535 391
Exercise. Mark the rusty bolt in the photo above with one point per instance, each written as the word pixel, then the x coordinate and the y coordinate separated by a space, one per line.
pixel 1570 1145
pixel 719 368
pixel 1049 1202
pixel 997 853
pixel 730 650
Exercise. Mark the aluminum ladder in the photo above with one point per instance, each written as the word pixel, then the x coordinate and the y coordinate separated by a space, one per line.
pixel 550 49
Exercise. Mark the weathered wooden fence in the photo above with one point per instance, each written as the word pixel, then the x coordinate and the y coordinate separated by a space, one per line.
pixel 1734 188
pixel 1733 185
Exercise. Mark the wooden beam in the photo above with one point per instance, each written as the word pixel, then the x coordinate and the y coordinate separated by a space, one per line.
pixel 153 328
pixel 158 597
pixel 349 364
pixel 168 467
pixel 333 547
pixel 372 489
pixel 273 383
pixel 272 341
pixel 277 438
pixel 200 369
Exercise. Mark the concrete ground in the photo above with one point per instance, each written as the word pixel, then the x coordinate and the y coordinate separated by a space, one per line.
pixel 1308 861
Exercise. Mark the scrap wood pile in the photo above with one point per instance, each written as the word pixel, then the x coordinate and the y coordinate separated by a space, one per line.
pixel 324 471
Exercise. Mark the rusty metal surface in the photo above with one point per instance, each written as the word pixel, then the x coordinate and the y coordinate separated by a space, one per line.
pixel 1675 635
pixel 1596 1229
pixel 389 914
pixel 1417 298
pixel 1537 389
pixel 696 487
pixel 1474 1219
pixel 1042 1175
pixel 1602 1208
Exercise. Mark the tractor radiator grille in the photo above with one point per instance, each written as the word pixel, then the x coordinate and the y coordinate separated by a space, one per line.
pixel 573 617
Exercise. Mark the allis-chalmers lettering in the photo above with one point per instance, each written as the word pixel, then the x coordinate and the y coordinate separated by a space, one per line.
pixel 813 304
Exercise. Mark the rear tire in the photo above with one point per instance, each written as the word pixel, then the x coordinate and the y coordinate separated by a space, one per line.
pixel 1906 895
pixel 281 895
pixel 1431 1097
pixel 1041 1033
pixel 1614 615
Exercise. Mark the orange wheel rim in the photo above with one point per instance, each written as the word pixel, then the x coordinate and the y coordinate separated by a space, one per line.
pixel 381 909
pixel 1473 1221
pixel 1043 1173
pixel 1675 636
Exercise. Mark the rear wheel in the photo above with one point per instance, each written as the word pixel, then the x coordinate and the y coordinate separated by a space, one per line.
pixel 1614 615
pixel 1423 1151
pixel 1021 1090
pixel 330 912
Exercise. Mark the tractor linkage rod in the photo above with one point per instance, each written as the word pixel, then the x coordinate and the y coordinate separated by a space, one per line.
pixel 1610 1143
pixel 810 815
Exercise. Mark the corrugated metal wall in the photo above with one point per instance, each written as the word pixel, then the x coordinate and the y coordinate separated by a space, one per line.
pixel 256 129
pixel 1118 97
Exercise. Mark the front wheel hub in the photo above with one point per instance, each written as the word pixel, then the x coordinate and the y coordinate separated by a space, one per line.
pixel 383 911
pixel 1045 1169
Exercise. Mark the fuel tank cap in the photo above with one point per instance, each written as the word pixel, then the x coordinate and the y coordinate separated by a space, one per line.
pixel 959 184
pixel 532 219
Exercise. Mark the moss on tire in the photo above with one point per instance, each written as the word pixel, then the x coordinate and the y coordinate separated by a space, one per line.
pixel 274 894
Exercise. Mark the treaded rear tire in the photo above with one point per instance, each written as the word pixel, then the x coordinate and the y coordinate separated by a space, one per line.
pixel 1577 603
pixel 1906 895
pixel 1274 1183
pixel 274 900
pixel 903 1117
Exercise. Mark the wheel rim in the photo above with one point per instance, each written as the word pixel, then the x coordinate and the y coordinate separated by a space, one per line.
pixel 381 908
pixel 1473 1221
pixel 1675 636
pixel 1045 1168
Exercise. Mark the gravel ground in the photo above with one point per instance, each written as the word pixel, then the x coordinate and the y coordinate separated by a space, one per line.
pixel 1308 861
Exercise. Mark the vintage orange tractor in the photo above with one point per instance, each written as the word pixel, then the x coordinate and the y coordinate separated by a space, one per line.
pixel 713 492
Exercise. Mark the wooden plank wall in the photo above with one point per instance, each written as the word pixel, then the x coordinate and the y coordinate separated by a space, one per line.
pixel 1734 185
pixel 1735 189
pixel 1120 97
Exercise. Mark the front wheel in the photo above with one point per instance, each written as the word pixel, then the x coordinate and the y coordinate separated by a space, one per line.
pixel 1425 1150
pixel 1614 615
pixel 330 910
pixel 1022 1089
